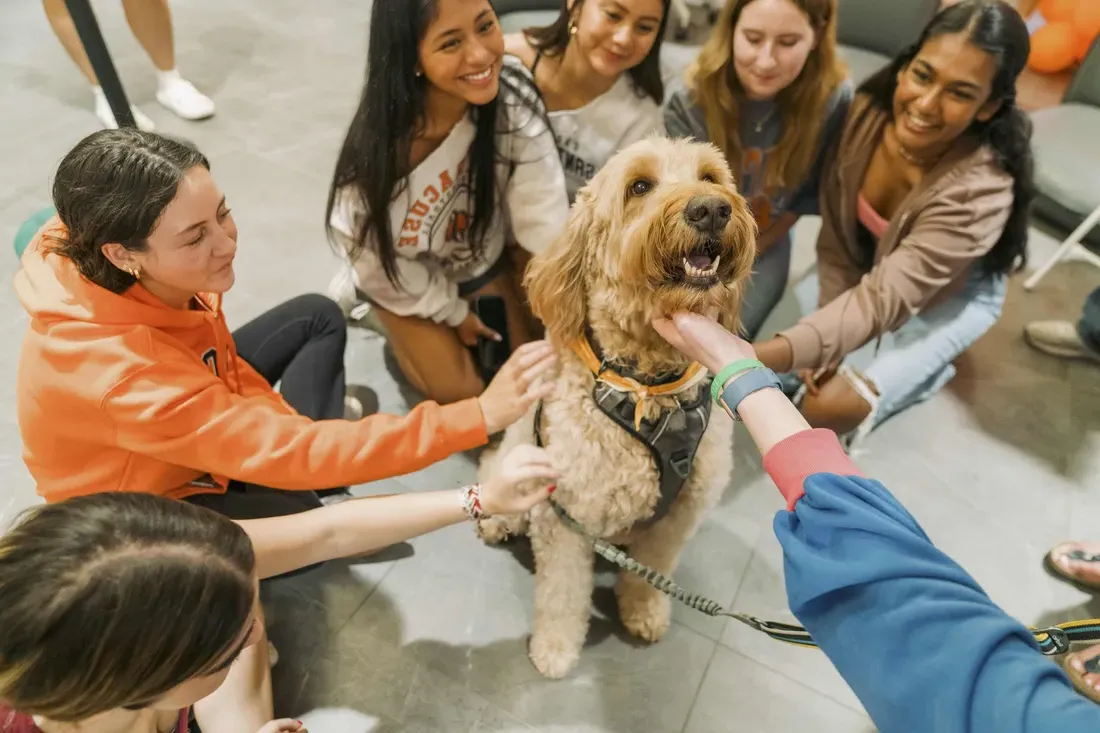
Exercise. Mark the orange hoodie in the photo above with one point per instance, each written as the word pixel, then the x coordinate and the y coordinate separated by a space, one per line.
pixel 124 393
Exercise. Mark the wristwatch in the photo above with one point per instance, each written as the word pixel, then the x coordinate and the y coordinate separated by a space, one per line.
pixel 744 384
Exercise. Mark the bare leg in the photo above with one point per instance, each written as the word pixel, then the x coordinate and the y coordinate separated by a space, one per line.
pixel 151 22
pixel 244 701
pixel 837 406
pixel 563 594
pixel 432 357
pixel 65 30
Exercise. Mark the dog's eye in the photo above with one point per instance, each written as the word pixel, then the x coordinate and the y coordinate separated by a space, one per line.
pixel 640 187
pixel 708 178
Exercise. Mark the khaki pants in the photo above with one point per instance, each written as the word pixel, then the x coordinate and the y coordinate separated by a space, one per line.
pixel 432 357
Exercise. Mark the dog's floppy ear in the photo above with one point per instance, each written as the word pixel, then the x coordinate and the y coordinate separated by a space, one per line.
pixel 555 278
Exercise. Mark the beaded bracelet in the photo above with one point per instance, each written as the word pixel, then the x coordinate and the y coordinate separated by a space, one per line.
pixel 471 502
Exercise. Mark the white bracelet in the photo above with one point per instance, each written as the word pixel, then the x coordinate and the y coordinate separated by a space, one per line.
pixel 471 502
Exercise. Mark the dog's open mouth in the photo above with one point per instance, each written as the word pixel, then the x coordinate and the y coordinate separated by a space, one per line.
pixel 699 268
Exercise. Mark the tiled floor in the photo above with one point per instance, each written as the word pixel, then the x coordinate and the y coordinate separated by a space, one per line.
pixel 430 636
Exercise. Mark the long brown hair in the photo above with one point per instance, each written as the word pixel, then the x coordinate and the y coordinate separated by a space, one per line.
pixel 553 39
pixel 717 90
pixel 112 600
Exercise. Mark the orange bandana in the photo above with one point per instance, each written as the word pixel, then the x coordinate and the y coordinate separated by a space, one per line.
pixel 694 374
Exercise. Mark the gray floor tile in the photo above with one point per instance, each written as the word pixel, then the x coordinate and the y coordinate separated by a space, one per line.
pixel 739 694
pixel 762 595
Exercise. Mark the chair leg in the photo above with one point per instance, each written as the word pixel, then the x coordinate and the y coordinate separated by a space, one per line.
pixel 1074 240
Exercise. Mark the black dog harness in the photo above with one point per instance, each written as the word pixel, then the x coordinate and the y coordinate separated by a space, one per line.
pixel 672 439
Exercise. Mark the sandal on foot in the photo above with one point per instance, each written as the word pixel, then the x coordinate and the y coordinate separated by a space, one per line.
pixel 1072 551
pixel 1092 666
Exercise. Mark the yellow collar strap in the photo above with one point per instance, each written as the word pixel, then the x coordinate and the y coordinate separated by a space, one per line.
pixel 694 374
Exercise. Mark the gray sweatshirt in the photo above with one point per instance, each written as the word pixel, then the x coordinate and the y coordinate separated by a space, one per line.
pixel 761 127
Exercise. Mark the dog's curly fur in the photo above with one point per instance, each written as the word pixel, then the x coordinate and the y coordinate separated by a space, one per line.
pixel 616 268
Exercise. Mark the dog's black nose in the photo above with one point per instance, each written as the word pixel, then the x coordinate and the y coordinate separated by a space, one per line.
pixel 708 214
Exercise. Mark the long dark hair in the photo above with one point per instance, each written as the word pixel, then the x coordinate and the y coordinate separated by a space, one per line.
pixel 112 600
pixel 554 38
pixel 113 187
pixel 373 166
pixel 996 28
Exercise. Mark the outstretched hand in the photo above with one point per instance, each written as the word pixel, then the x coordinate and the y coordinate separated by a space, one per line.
pixel 524 479
pixel 703 339
pixel 524 379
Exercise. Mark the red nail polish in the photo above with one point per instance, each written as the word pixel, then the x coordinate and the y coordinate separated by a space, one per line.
pixel 553 489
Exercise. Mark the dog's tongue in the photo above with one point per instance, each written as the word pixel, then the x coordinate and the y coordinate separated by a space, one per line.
pixel 701 261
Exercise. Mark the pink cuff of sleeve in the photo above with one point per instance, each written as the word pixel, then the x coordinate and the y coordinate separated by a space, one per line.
pixel 803 454
pixel 805 346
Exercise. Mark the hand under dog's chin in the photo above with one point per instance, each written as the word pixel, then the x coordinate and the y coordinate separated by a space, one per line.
pixel 678 299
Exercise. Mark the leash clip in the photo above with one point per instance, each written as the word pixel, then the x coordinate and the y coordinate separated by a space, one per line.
pixel 751 621
pixel 1059 638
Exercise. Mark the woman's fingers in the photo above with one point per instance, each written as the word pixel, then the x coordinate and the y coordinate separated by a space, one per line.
pixel 538 390
pixel 488 332
pixel 668 331
pixel 533 372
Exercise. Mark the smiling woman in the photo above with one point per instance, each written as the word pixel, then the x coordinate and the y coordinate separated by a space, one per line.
pixel 447 182
pixel 924 214
pixel 598 68
pixel 769 90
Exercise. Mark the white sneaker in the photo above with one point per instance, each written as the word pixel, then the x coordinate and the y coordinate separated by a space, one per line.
pixel 107 117
pixel 353 408
pixel 360 401
pixel 181 97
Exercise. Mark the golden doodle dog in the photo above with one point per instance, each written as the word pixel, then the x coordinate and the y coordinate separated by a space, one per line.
pixel 660 228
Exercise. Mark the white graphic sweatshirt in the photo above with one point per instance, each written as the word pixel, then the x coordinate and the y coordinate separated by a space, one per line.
pixel 430 218
pixel 588 136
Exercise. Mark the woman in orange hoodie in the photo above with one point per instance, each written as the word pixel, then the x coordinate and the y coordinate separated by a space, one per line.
pixel 130 380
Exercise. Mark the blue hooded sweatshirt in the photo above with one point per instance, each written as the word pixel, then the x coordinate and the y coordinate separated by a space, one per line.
pixel 920 643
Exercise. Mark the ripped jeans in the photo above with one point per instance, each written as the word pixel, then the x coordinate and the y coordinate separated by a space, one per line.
pixel 915 361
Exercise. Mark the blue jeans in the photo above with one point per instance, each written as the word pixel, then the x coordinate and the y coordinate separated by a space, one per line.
pixel 1089 325
pixel 912 363
pixel 765 287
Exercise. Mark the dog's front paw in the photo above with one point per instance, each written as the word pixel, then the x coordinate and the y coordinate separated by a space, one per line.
pixel 645 612
pixel 553 657
pixel 494 530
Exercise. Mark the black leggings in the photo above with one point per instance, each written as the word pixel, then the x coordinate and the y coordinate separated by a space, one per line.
pixel 299 345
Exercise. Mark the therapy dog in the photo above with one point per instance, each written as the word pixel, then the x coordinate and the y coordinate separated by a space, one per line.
pixel 661 228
